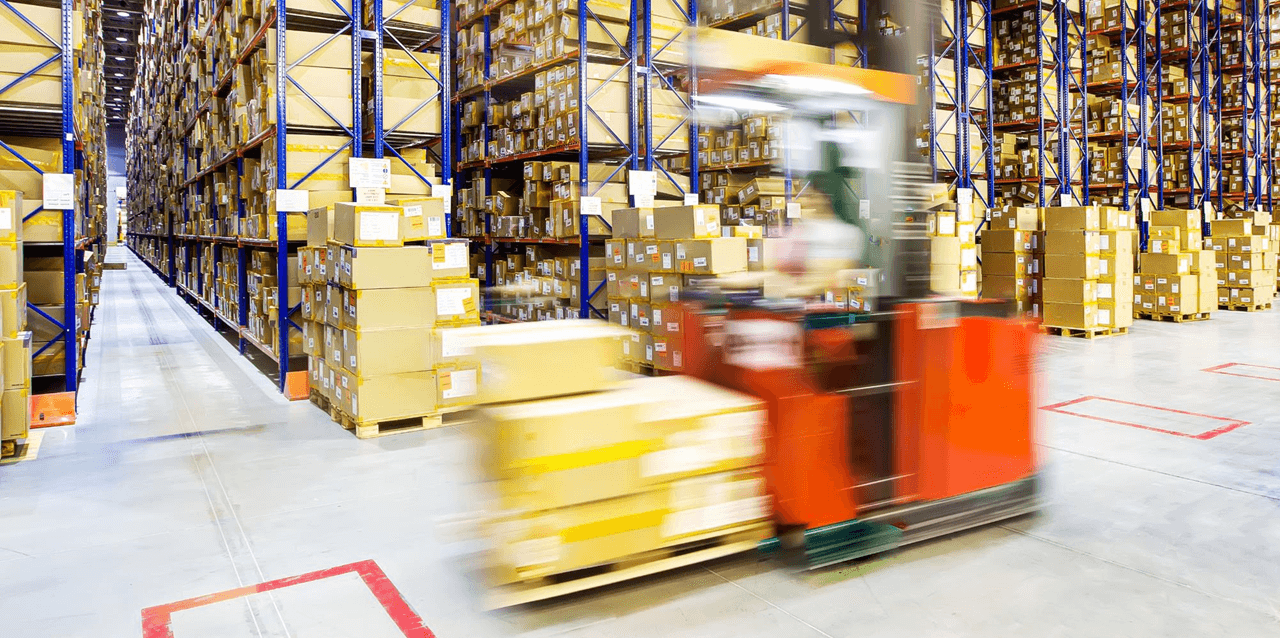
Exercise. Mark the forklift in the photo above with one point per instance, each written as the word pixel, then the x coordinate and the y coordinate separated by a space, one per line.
pixel 888 427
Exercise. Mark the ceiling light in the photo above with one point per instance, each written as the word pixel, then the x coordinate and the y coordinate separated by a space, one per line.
pixel 121 39
pixel 119 100
pixel 119 75
pixel 120 59
pixel 122 14
pixel 117 88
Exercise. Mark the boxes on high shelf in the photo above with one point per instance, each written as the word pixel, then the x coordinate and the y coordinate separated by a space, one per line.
pixel 368 225
pixel 647 481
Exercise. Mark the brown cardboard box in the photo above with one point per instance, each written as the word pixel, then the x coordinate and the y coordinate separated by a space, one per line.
pixel 367 353
pixel 368 225
pixel 319 226
pixel 388 397
pixel 953 250
pixel 13 311
pixel 387 308
pixel 11 265
pixel 638 348
pixel 515 358
pixel 17 361
pixel 1004 287
pixel 710 256
pixel 1116 313
pixel 1071 242
pixel 666 319
pixel 633 222
pixel 687 222
pixel 1070 291
pixel 1072 218
pixel 1178 264
pixel 10 217
pixel 1229 227
pixel 1010 264
pixel 1063 315
pixel 457 385
pixel 1009 241
pixel 1116 242
pixel 762 254
pixel 15 413
pixel 1071 266
pixel 424 217
pixel 369 268
pixel 449 258
pixel 445 349
pixel 454 302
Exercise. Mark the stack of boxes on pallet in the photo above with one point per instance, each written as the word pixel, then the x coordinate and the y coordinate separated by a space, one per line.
pixel 1177 278
pixel 656 257
pixel 642 469
pixel 1013 258
pixel 378 314
pixel 1088 269
pixel 953 265
pixel 15 341
pixel 1246 261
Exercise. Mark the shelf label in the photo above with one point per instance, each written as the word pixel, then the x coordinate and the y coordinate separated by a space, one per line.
pixel 371 195
pixel 442 190
pixel 590 206
pixel 644 201
pixel 59 191
pixel 642 183
pixel 964 196
pixel 864 209
pixel 793 210
pixel 690 199
pixel 368 172
pixel 292 200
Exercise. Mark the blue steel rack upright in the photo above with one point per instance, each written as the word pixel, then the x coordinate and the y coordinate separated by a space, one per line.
pixel 1256 125
pixel 956 38
pixel 1202 111
pixel 60 123
pixel 667 73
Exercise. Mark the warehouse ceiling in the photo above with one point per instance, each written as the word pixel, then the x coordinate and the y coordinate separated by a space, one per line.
pixel 121 20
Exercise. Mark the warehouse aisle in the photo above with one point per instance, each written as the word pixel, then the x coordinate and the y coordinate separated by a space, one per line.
pixel 188 475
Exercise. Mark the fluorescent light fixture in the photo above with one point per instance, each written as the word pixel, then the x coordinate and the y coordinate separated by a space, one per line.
pixel 121 38
pixel 122 14
pixel 119 75
pixel 120 59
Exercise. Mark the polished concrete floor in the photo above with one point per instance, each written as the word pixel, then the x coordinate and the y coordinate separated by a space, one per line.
pixel 189 475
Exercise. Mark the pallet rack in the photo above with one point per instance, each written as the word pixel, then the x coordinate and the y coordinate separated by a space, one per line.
pixel 78 123
pixel 956 38
pixel 369 29
pixel 1197 59
pixel 1256 82
pixel 621 148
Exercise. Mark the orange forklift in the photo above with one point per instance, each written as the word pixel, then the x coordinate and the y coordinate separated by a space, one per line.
pixel 886 427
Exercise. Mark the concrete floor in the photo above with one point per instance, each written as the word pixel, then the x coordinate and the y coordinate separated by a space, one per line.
pixel 188 475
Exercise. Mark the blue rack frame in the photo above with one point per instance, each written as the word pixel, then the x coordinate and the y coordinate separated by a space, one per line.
pixel 957 47
pixel 69 134
pixel 1256 126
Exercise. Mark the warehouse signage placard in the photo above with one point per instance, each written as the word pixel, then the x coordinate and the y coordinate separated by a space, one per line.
pixel 59 191
pixel 368 172
pixel 292 200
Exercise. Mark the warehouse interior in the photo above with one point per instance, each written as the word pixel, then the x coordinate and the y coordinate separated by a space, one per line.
pixel 703 318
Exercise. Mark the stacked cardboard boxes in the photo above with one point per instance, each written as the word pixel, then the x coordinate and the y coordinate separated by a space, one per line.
pixel 1013 258
pixel 379 314
pixel 954 250
pixel 648 481
pixel 655 257
pixel 1088 269
pixel 15 341
pixel 1177 276
pixel 1246 262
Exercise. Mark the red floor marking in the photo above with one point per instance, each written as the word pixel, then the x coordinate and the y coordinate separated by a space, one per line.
pixel 1230 424
pixel 156 620
pixel 1221 368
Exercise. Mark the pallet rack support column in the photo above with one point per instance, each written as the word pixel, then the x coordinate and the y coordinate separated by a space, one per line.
pixel 1215 185
pixel 70 138
pixel 1072 107
pixel 652 70
pixel 1254 128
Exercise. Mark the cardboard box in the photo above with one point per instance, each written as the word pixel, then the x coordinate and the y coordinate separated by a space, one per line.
pixel 515 358
pixel 953 250
pixel 368 353
pixel 1077 315
pixel 10 216
pixel 445 349
pixel 17 361
pixel 387 397
pixel 368 225
pixel 15 413
pixel 687 222
pixel 1009 241
pixel 717 256
pixel 450 259
pixel 13 311
pixel 1070 291
pixel 1071 242
pixel 1072 218
pixel 319 226
pixel 370 268
pixel 382 308
pixel 457 385
pixel 455 302
pixel 1116 242
pixel 1178 264
pixel 424 218
pixel 1010 264
pixel 1071 266
pixel 1116 313
pixel 1006 287
pixel 11 265
pixel 633 222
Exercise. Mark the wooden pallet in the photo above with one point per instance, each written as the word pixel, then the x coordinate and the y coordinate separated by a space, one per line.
pixel 13 452
pixel 375 429
pixel 1246 307
pixel 1084 333
pixel 8 448
pixel 1157 316
pixel 689 552
pixel 319 400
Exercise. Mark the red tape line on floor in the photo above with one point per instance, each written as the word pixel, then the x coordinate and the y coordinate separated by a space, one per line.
pixel 1230 424
pixel 156 620
pixel 1220 370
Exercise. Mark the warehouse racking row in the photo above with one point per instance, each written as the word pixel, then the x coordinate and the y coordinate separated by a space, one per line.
pixel 264 110
pixel 53 156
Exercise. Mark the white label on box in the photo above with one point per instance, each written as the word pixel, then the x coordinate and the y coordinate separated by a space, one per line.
pixel 374 196
pixel 455 255
pixel 642 184
pixel 590 206
pixel 657 280
pixel 680 254
pixel 690 199
pixel 355 404
pixel 435 227
pixel 699 262
pixel 450 301
pixel 1104 316
pixel 657 316
pixel 947 226
pixel 413 210
pixel 864 209
pixel 6 218
pixel 753 254
pixel 1104 241
pixel 367 172
pixel 1104 290
pixel 793 210
pixel 462 384
pixel 375 226
pixel 352 361
pixel 535 551
pixel 969 258
pixel 666 261
pixel 651 249
pixel 59 191
pixel 644 289
pixel 648 353
pixel 443 191
pixel 1104 266
pixel 644 201
pixel 673 293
